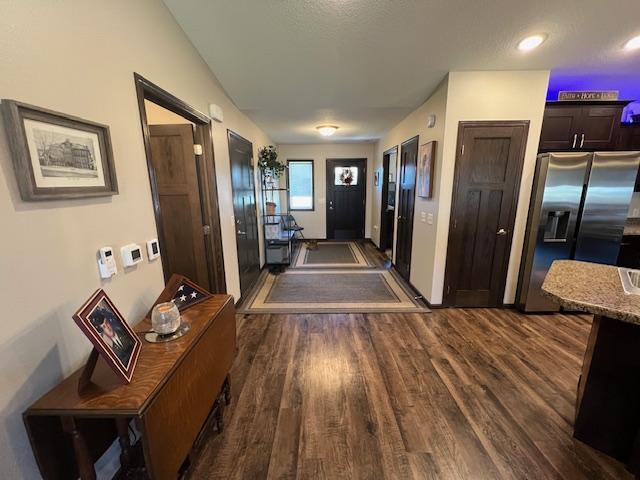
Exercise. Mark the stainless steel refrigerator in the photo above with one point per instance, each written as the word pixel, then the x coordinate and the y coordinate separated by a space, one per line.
pixel 578 210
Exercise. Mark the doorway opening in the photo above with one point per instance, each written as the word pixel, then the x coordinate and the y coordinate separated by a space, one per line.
pixel 487 178
pixel 180 161
pixel 388 203
pixel 406 203
pixel 346 198
pixel 244 210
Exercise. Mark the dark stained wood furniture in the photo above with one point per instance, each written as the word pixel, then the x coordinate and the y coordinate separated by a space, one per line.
pixel 586 126
pixel 629 138
pixel 175 388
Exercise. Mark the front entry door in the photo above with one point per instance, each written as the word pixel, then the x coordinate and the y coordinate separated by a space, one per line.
pixel 244 210
pixel 406 202
pixel 487 180
pixel 346 187
pixel 179 200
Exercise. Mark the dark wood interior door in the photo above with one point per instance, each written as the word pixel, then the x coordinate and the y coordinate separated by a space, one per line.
pixel 406 203
pixel 487 179
pixel 182 236
pixel 346 197
pixel 244 210
pixel 387 208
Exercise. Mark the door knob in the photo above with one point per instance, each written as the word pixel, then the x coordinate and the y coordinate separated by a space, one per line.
pixel 240 232
pixel 502 231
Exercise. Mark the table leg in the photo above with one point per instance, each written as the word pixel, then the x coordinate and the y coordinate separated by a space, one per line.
pixel 122 424
pixel 86 469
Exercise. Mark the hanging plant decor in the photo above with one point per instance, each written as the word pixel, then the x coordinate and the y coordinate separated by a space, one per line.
pixel 268 161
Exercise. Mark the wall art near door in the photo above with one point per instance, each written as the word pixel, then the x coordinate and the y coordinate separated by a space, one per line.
pixel 58 156
pixel 426 159
pixel 109 333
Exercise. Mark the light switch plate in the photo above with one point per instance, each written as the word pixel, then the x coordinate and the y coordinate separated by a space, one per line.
pixel 430 219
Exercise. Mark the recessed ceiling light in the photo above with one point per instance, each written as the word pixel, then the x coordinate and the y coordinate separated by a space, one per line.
pixel 633 44
pixel 326 130
pixel 529 43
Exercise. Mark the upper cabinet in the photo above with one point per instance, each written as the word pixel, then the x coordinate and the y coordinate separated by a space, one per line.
pixel 581 126
pixel 629 138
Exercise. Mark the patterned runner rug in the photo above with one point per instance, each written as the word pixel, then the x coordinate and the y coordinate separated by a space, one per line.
pixel 331 291
pixel 332 255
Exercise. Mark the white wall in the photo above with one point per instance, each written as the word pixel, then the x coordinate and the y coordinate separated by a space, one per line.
pixel 518 95
pixel 78 57
pixel 423 251
pixel 315 222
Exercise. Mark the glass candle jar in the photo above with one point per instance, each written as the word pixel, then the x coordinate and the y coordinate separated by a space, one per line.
pixel 165 318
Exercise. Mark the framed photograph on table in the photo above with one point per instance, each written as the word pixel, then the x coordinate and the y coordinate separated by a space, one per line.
pixel 111 336
pixel 426 159
pixel 58 156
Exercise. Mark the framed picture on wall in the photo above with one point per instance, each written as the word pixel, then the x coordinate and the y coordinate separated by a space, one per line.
pixel 111 336
pixel 426 159
pixel 58 156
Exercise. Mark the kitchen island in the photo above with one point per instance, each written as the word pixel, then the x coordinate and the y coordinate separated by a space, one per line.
pixel 608 397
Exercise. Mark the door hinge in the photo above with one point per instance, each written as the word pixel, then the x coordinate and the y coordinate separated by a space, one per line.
pixel 197 149
pixel 462 151
pixel 448 289
pixel 455 223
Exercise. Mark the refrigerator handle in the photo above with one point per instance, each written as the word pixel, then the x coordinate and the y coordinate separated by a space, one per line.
pixel 575 139
pixel 582 141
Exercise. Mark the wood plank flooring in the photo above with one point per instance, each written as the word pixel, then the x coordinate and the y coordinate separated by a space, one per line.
pixel 455 394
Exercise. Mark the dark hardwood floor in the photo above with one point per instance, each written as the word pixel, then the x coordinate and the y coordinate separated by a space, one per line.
pixel 454 394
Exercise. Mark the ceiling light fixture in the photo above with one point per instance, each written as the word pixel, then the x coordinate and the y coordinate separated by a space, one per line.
pixel 326 130
pixel 633 44
pixel 532 42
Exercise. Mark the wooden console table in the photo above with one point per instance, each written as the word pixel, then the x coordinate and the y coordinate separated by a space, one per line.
pixel 174 390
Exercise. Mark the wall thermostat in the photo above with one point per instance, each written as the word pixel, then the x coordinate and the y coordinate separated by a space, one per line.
pixel 131 254
pixel 106 263
pixel 153 249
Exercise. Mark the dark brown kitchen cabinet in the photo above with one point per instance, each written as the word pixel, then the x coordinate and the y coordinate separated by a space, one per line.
pixel 581 126
pixel 629 137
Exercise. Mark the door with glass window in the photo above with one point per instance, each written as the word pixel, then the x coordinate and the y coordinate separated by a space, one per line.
pixel 346 198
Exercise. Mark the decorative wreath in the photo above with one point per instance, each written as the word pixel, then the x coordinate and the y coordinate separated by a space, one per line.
pixel 346 176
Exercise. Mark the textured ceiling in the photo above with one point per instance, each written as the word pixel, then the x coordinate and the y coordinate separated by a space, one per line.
pixel 365 64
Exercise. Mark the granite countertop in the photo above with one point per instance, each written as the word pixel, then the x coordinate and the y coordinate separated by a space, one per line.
pixel 632 227
pixel 591 287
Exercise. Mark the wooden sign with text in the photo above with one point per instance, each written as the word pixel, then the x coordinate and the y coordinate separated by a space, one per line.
pixel 607 95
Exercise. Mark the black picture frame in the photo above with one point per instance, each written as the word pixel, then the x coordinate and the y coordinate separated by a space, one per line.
pixel 59 178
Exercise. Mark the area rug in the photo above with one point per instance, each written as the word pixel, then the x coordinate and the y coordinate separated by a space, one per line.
pixel 332 255
pixel 331 291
